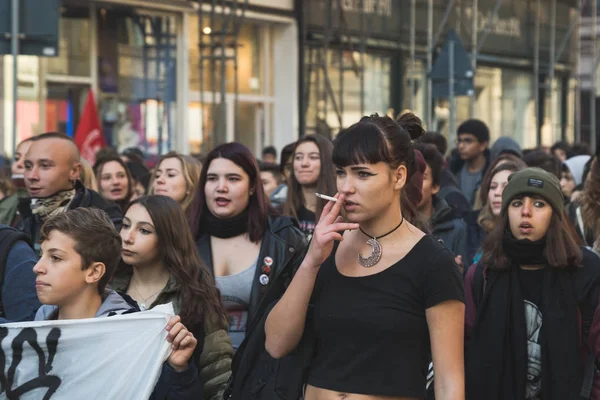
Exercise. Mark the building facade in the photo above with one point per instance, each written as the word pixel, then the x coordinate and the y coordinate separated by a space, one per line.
pixel 163 74
pixel 514 51
pixel 141 59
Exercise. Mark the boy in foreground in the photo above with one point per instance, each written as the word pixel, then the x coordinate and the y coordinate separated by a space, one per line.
pixel 80 251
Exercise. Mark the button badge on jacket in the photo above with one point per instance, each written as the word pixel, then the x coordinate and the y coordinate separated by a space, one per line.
pixel 266 270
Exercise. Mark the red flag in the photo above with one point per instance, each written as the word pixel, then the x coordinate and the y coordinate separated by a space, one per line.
pixel 89 137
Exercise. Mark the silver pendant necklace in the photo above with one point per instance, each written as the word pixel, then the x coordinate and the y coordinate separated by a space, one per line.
pixel 376 252
pixel 143 306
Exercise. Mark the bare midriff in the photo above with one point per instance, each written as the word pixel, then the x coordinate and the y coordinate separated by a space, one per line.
pixel 314 393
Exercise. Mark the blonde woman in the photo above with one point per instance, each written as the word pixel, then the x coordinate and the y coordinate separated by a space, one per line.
pixel 176 176
pixel 88 178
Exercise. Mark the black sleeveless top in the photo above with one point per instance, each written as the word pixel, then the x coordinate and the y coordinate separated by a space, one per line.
pixel 372 334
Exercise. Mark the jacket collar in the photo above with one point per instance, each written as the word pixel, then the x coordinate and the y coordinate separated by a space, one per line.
pixel 274 227
pixel 24 206
pixel 122 278
pixel 457 163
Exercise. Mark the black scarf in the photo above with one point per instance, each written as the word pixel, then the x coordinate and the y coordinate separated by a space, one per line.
pixel 524 252
pixel 496 358
pixel 224 228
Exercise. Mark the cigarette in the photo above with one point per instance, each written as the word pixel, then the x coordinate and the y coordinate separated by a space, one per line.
pixel 322 196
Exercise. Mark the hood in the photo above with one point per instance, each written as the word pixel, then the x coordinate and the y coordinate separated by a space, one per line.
pixel 443 214
pixel 576 165
pixel 505 144
pixel 113 303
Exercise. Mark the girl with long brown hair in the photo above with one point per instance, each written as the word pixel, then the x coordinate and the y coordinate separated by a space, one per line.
pixel 249 249
pixel 531 300
pixel 163 266
pixel 483 221
pixel 312 172
pixel 115 182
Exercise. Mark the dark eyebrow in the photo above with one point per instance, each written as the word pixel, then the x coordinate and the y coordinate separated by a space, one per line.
pixel 125 219
pixel 55 250
pixel 360 168
pixel 226 175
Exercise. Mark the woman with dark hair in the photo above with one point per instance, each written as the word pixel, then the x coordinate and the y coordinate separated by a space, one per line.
pixel 115 182
pixel 483 221
pixel 163 266
pixel 584 213
pixel 383 296
pixel 141 179
pixel 248 249
pixel 531 300
pixel 312 173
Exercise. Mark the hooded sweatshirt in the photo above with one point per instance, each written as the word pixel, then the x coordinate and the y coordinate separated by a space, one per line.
pixel 112 304
pixel 171 385
pixel 505 144
pixel 449 228
pixel 576 166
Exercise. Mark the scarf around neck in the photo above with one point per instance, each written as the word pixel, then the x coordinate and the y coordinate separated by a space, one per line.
pixel 497 366
pixel 53 205
pixel 224 228
pixel 524 251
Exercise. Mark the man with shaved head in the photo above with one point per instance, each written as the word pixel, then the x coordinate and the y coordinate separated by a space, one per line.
pixel 52 172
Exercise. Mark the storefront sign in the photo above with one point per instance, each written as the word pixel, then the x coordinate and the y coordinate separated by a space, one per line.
pixel 510 26
pixel 375 19
pixel 373 7
pixel 509 32
pixel 281 4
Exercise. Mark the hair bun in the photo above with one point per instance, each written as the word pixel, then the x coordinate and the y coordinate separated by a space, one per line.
pixel 412 124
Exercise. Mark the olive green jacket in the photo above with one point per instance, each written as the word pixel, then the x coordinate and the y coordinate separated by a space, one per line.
pixel 214 362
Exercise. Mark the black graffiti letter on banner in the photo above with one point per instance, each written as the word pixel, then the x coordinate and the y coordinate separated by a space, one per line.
pixel 44 380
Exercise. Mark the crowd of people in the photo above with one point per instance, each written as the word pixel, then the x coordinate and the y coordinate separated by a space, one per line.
pixel 423 272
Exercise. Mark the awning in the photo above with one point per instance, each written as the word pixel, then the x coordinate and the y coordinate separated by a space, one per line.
pixel 166 5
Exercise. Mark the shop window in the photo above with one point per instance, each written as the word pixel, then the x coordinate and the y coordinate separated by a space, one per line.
pixel 503 100
pixel 347 91
pixel 414 78
pixel 28 106
pixel 251 79
pixel 137 78
pixel 74 47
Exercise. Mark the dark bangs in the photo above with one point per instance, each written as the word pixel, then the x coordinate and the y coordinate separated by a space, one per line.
pixel 361 143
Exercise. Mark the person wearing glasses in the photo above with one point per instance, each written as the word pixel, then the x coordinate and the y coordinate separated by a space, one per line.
pixel 473 156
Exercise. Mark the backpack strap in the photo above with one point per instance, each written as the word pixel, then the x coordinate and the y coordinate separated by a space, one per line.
pixel 586 317
pixel 8 237
pixel 479 281
pixel 588 376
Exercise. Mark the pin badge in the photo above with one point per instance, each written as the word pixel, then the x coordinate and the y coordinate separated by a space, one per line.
pixel 264 280
pixel 268 261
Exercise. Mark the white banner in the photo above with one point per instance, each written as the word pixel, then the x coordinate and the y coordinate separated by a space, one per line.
pixel 117 357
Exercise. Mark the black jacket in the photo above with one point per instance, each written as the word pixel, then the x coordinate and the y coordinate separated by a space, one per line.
pixel 30 224
pixel 255 374
pixel 285 244
pixel 449 228
pixel 450 192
